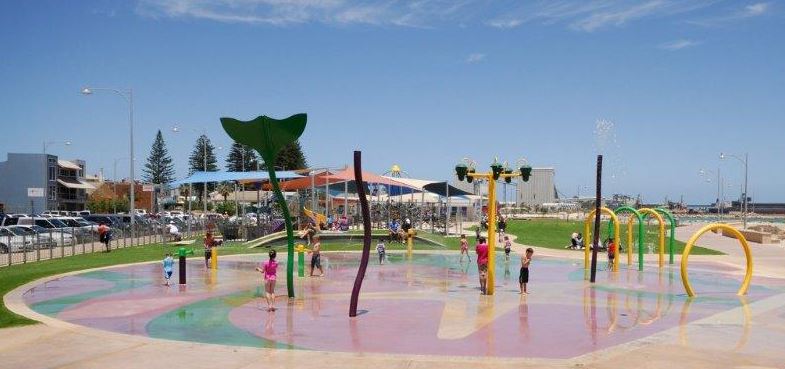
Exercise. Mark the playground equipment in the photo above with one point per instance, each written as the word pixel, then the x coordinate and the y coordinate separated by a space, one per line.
pixel 587 232
pixel 497 171
pixel 301 250
pixel 318 219
pixel 366 213
pixel 646 212
pixel 410 240
pixel 639 218
pixel 181 253
pixel 685 279
pixel 672 237
pixel 268 136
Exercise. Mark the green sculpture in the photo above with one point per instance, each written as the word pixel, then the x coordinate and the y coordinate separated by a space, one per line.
pixel 268 136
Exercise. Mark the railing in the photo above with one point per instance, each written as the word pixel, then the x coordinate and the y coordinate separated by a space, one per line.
pixel 61 243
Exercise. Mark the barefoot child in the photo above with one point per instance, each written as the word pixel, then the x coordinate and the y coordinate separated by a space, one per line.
pixel 465 248
pixel 269 269
pixel 507 248
pixel 611 253
pixel 482 263
pixel 316 257
pixel 168 263
pixel 380 249
pixel 523 279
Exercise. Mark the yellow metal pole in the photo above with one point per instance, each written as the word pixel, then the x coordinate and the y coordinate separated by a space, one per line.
pixel 629 240
pixel 490 281
pixel 214 258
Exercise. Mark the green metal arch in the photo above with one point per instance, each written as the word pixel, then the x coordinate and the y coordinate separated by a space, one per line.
pixel 627 209
pixel 672 238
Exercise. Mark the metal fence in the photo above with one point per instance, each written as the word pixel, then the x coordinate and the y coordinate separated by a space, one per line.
pixel 65 242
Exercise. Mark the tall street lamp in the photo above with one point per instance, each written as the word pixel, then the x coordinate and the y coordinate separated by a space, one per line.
pixel 706 173
pixel 744 161
pixel 46 171
pixel 128 95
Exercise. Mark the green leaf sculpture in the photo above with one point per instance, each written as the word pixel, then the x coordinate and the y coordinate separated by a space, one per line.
pixel 268 136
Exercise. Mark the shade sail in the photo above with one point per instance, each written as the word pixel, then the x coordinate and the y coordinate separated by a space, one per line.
pixel 213 177
pixel 368 177
pixel 75 184
pixel 441 189
pixel 68 165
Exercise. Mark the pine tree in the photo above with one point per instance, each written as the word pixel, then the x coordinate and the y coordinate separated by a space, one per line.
pixel 291 157
pixel 196 162
pixel 241 159
pixel 159 168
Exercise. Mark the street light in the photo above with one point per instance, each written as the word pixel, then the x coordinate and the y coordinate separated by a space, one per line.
pixel 46 171
pixel 744 161
pixel 720 201
pixel 128 95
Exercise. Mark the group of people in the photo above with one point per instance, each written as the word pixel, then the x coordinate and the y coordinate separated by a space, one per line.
pixel 577 243
pixel 398 231
pixel 481 249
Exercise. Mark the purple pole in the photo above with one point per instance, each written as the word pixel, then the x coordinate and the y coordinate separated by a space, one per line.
pixel 358 281
pixel 597 204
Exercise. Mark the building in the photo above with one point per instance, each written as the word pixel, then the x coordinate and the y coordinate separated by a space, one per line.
pixel 540 188
pixel 62 182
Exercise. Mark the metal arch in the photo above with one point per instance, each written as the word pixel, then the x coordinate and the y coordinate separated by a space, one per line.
pixel 587 233
pixel 646 212
pixel 629 235
pixel 685 279
pixel 672 237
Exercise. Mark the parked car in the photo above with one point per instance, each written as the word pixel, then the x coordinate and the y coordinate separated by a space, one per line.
pixel 39 240
pixel 59 237
pixel 107 219
pixel 10 242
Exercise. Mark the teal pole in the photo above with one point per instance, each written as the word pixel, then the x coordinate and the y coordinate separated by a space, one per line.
pixel 289 231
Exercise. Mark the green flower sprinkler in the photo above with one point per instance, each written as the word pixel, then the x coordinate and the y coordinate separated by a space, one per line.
pixel 268 136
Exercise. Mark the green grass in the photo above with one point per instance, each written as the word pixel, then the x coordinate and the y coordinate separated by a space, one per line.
pixel 17 275
pixel 555 234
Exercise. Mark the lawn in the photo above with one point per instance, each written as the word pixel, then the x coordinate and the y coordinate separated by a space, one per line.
pixel 555 234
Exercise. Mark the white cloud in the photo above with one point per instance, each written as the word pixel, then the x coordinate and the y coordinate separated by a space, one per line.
pixel 756 9
pixel 618 16
pixel 749 11
pixel 475 58
pixel 678 45
pixel 508 23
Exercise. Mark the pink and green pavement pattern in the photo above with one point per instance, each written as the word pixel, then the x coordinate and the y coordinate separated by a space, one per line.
pixel 428 304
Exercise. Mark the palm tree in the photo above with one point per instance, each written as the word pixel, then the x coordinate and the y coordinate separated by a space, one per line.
pixel 225 189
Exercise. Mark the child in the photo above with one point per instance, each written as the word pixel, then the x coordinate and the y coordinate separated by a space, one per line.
pixel 316 257
pixel 482 262
pixel 380 249
pixel 507 248
pixel 465 248
pixel 611 253
pixel 269 269
pixel 168 263
pixel 208 248
pixel 523 279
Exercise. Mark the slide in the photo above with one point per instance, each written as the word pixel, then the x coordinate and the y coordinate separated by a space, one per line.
pixel 316 217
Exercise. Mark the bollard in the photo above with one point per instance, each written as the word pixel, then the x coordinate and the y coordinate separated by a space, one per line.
pixel 300 249
pixel 214 257
pixel 181 252
pixel 410 240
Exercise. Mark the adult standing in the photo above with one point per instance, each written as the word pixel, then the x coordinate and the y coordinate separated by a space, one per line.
pixel 482 263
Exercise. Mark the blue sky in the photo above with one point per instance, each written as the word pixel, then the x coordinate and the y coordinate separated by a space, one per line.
pixel 419 83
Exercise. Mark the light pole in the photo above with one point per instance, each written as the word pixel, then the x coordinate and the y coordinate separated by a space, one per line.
pixel 744 161
pixel 720 203
pixel 46 172
pixel 128 95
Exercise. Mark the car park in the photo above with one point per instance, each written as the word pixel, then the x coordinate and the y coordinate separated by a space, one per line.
pixel 10 242
pixel 59 237
pixel 39 240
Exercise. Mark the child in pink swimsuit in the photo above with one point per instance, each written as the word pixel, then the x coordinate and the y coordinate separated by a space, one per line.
pixel 464 248
pixel 269 269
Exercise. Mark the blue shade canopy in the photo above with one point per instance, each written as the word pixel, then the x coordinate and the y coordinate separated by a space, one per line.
pixel 214 177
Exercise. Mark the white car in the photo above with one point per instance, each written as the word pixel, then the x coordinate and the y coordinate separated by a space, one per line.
pixel 59 237
pixel 10 242
pixel 39 240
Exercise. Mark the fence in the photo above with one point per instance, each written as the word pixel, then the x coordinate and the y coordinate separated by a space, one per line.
pixel 65 242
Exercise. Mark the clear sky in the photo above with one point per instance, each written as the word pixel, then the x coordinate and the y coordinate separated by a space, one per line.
pixel 419 83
